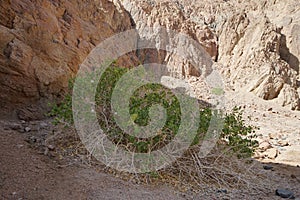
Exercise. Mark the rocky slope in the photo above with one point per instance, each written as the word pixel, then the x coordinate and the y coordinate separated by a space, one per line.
pixel 255 43
pixel 42 44
pixel 256 47
pixel 167 15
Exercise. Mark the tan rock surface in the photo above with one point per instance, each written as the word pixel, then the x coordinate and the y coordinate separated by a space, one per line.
pixel 256 43
pixel 42 44
pixel 277 126
pixel 169 15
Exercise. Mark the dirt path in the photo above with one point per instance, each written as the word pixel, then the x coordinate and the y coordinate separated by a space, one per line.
pixel 28 172
pixel 25 174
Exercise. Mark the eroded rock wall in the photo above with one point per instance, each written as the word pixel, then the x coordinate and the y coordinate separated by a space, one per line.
pixel 42 44
pixel 255 43
pixel 170 16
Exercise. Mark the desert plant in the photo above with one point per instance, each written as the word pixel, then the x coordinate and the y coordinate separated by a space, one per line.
pixel 62 111
pixel 240 137
pixel 235 132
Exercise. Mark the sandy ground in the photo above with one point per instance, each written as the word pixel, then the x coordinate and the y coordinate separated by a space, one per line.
pixel 28 174
pixel 277 125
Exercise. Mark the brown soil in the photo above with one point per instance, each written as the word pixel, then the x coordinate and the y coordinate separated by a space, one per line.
pixel 27 171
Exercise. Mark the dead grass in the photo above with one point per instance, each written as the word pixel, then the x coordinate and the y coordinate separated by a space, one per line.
pixel 220 169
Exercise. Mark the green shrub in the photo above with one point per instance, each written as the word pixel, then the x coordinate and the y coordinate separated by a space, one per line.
pixel 62 112
pixel 238 135
pixel 235 133
pixel 140 102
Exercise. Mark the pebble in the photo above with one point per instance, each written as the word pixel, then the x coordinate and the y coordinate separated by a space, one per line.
pixel 31 140
pixel 258 155
pixel 222 191
pixel 51 147
pixel 46 151
pixel 267 167
pixel 285 193
pixel 27 129
pixel 293 176
pixel 273 135
pixel 264 145
pixel 283 143
pixel 271 153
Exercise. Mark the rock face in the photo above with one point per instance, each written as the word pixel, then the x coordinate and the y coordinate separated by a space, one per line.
pixel 256 55
pixel 169 15
pixel 255 43
pixel 42 44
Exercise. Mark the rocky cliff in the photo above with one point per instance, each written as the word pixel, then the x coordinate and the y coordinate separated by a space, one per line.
pixel 255 44
pixel 42 44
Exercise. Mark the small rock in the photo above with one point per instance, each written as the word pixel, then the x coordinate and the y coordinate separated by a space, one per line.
pixel 46 151
pixel 267 167
pixel 258 155
pixel 43 125
pixel 27 129
pixel 283 143
pixel 293 176
pixel 31 140
pixel 264 145
pixel 222 191
pixel 285 193
pixel 271 153
pixel 270 109
pixel 51 147
pixel 273 135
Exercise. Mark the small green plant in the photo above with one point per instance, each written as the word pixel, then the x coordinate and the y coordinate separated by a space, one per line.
pixel 240 137
pixel 62 112
pixel 235 133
